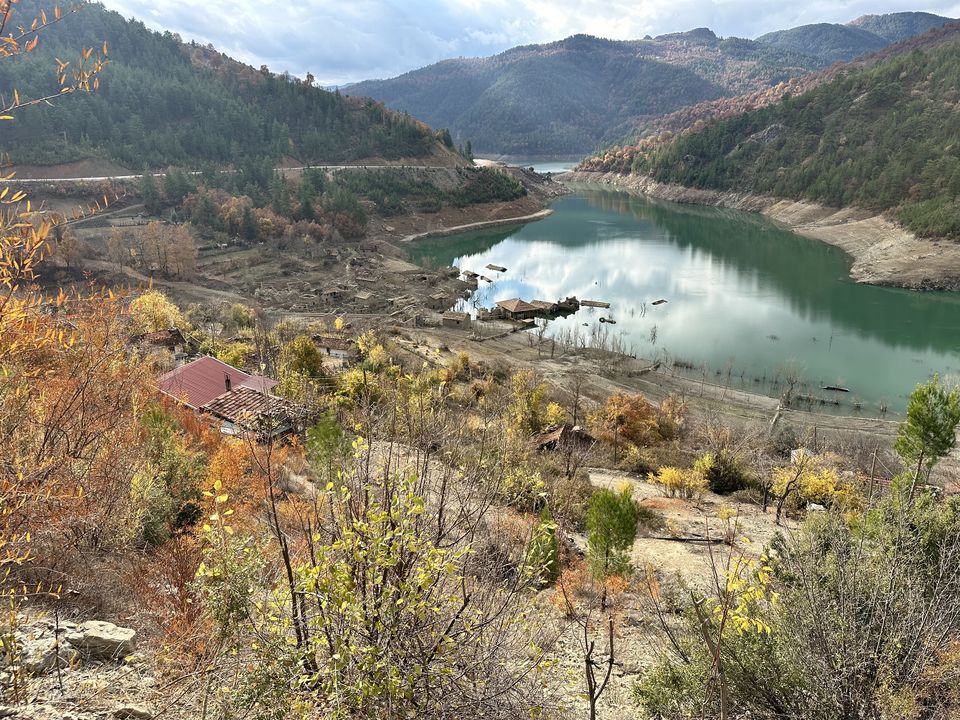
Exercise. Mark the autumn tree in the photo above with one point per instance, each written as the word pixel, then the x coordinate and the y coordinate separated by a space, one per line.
pixel 630 418
pixel 813 479
pixel 169 250
pixel 399 604
pixel 528 407
pixel 33 343
pixel 152 311
pixel 118 249
pixel 67 249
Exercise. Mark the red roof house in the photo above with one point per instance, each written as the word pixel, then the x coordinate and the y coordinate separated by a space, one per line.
pixel 205 379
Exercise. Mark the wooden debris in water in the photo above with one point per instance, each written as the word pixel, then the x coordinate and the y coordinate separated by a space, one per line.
pixel 661 301
pixel 595 303
pixel 496 268
pixel 835 388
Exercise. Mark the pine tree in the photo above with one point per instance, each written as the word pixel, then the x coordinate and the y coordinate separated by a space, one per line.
pixel 929 432
pixel 611 529
pixel 249 224
pixel 149 192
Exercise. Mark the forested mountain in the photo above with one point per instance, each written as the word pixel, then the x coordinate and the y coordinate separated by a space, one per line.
pixel 895 27
pixel 650 134
pixel 827 41
pixel 831 42
pixel 882 137
pixel 570 96
pixel 164 102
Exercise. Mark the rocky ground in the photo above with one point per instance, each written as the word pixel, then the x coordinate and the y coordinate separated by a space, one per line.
pixel 90 670
pixel 676 558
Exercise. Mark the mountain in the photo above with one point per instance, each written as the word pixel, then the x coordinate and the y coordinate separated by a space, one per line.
pixel 651 134
pixel 571 96
pixel 831 42
pixel 883 137
pixel 164 102
pixel 894 27
pixel 827 41
pixel 568 96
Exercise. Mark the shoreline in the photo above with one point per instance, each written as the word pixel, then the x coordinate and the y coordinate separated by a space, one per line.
pixel 481 225
pixel 882 252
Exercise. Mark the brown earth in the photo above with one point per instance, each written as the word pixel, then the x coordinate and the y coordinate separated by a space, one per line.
pixel 367 279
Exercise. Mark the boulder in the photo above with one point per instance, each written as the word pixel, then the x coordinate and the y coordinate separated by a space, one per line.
pixel 133 712
pixel 101 640
pixel 41 655
pixel 37 652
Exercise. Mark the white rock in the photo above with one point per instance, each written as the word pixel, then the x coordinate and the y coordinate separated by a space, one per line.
pixel 133 712
pixel 38 657
pixel 103 641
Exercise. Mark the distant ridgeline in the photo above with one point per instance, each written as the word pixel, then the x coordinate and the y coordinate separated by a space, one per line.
pixel 571 96
pixel 884 136
pixel 162 102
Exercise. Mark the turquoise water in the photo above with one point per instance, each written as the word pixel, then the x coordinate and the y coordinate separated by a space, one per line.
pixel 748 304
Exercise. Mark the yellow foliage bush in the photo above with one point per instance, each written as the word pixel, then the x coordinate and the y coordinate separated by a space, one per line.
pixel 678 482
pixel 234 354
pixel 152 312
pixel 554 415
pixel 815 479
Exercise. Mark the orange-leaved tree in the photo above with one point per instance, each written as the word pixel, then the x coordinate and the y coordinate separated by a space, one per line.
pixel 31 333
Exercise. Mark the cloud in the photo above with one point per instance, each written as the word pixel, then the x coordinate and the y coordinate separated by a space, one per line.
pixel 342 42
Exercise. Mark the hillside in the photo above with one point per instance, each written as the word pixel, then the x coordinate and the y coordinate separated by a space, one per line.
pixel 882 137
pixel 571 96
pixel 651 134
pixel 163 102
pixel 831 42
pixel 827 41
pixel 895 27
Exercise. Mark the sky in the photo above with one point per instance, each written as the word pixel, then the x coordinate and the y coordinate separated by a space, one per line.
pixel 344 41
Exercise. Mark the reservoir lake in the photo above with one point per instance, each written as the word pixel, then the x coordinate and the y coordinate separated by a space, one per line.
pixel 748 304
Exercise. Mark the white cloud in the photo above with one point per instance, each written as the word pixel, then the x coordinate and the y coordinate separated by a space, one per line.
pixel 343 42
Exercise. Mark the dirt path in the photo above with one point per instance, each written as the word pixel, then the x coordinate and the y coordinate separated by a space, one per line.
pixel 675 550
pixel 442 232
pixel 184 290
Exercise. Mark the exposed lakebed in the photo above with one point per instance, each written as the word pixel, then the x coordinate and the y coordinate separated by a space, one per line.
pixel 748 304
